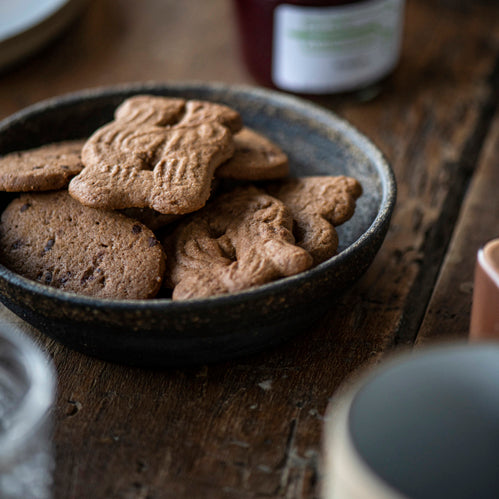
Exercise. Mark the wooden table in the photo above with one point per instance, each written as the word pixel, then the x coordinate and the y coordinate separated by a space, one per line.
pixel 253 427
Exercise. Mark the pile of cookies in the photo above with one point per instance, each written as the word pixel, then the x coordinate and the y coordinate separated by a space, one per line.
pixel 173 197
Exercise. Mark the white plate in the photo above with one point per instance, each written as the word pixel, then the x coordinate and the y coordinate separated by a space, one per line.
pixel 26 25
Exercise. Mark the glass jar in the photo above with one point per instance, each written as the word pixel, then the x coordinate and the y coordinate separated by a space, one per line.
pixel 320 46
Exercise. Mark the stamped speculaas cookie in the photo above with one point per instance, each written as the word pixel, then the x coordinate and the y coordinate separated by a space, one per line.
pixel 255 158
pixel 318 204
pixel 158 153
pixel 240 240
pixel 150 218
pixel 53 239
pixel 154 219
pixel 164 111
pixel 44 168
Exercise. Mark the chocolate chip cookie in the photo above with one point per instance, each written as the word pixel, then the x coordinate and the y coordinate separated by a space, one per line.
pixel 45 168
pixel 53 239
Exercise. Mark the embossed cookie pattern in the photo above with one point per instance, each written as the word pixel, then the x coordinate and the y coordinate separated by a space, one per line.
pixel 318 205
pixel 241 240
pixel 157 153
pixel 255 158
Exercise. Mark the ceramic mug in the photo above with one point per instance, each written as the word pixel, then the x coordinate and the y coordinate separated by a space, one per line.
pixel 485 309
pixel 422 426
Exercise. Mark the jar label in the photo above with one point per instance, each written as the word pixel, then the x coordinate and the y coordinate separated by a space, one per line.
pixel 326 49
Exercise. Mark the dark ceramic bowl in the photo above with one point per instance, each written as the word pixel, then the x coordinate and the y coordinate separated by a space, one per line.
pixel 161 332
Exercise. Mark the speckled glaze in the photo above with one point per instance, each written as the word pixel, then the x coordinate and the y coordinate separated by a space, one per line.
pixel 162 333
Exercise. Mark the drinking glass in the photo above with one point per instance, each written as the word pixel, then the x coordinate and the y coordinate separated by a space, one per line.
pixel 27 389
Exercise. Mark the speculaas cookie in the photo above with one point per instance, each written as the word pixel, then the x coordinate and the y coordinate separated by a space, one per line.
pixel 318 204
pixel 255 158
pixel 44 168
pixel 240 240
pixel 154 219
pixel 164 111
pixel 158 153
pixel 53 239
pixel 150 218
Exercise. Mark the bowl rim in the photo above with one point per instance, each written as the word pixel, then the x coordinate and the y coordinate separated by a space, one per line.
pixel 276 98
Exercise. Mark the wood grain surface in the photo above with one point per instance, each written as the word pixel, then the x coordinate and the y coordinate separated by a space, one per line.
pixel 252 428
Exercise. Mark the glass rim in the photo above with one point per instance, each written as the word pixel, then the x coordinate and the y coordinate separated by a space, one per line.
pixel 32 411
